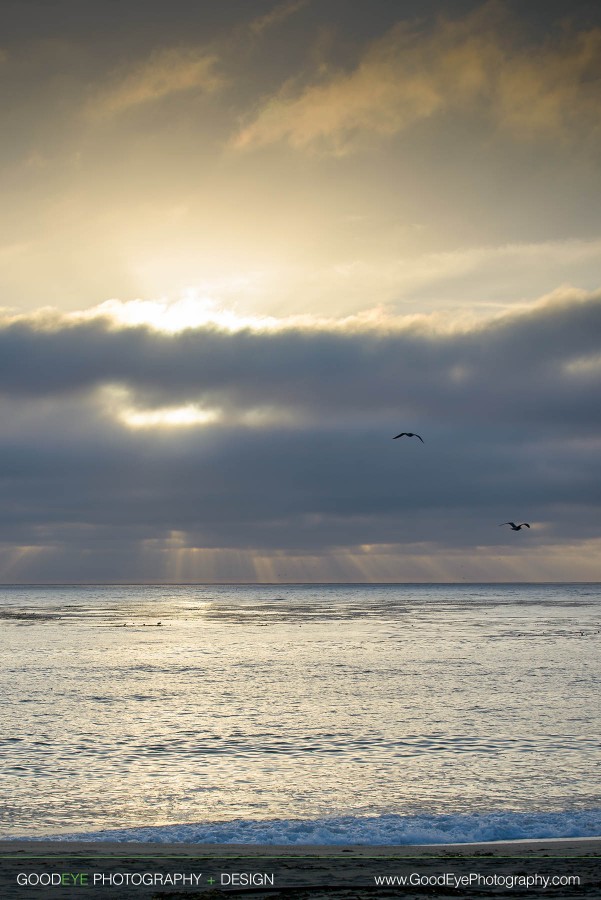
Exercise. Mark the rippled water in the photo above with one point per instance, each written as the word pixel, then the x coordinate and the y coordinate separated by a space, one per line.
pixel 140 705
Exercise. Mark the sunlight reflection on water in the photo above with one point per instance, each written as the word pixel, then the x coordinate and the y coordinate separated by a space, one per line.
pixel 142 705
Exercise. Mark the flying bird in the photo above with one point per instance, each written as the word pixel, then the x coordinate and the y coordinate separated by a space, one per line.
pixel 515 527
pixel 407 434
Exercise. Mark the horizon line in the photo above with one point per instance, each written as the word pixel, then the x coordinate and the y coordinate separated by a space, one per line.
pixel 262 583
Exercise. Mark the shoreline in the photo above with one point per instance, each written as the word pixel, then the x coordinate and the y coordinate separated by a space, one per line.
pixel 522 848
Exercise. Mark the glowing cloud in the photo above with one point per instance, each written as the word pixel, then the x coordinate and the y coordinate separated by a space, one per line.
pixel 171 316
pixel 165 72
pixel 169 417
pixel 407 76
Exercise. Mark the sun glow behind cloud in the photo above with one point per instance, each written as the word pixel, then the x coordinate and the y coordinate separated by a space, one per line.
pixel 119 404
pixel 195 309
pixel 192 310
pixel 169 417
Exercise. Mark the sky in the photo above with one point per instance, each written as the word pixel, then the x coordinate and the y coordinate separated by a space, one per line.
pixel 243 244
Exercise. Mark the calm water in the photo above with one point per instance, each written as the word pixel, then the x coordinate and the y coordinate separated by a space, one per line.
pixel 295 702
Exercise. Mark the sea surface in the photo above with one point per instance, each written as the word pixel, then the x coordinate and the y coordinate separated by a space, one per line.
pixel 301 713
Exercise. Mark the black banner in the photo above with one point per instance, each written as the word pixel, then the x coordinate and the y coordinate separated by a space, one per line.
pixel 187 871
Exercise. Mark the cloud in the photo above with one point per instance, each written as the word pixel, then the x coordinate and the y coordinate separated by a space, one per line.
pixel 165 72
pixel 554 89
pixel 275 16
pixel 517 367
pixel 287 464
pixel 478 64
pixel 474 279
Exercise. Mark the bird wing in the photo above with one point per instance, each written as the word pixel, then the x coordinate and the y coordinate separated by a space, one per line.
pixel 526 524
pixel 420 437
pixel 402 434
pixel 507 523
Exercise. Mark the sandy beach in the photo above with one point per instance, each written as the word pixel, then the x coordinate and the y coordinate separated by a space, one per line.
pixel 316 871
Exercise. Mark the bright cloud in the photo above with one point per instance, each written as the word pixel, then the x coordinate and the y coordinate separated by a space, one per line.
pixel 193 310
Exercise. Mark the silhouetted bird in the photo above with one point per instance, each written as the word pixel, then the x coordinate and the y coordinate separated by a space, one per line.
pixel 515 527
pixel 407 434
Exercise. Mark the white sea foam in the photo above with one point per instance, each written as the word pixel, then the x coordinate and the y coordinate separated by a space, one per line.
pixel 370 830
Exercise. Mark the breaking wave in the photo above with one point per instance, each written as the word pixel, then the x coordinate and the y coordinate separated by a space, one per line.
pixel 370 830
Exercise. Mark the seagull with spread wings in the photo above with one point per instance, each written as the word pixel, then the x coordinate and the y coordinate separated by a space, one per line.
pixel 408 434
pixel 515 527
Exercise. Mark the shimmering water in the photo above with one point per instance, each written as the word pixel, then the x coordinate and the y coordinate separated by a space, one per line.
pixel 139 706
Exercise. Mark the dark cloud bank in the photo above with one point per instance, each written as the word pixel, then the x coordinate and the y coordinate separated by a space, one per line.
pixel 509 412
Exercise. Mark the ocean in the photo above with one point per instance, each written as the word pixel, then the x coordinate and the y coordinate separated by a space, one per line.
pixel 396 713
